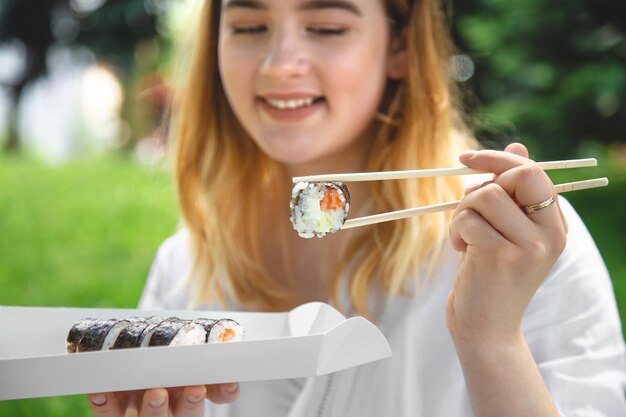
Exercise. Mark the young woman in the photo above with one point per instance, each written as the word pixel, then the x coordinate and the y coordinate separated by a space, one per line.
pixel 489 311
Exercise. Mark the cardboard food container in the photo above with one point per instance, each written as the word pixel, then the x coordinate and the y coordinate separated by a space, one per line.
pixel 312 339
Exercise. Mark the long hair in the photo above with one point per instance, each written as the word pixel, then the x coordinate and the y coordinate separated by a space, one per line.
pixel 221 174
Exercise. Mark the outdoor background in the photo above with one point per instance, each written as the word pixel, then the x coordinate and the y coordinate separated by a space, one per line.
pixel 86 192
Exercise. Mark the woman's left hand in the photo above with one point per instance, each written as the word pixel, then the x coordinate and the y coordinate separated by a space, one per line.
pixel 506 253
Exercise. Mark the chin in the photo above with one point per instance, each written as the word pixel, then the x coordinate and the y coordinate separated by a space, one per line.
pixel 290 152
pixel 290 157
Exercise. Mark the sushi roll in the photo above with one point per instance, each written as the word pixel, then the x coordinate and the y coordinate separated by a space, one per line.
pixel 176 332
pixel 76 333
pixel 132 335
pixel 318 208
pixel 207 324
pixel 101 335
pixel 92 334
pixel 223 330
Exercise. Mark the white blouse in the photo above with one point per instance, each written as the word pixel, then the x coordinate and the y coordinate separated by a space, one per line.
pixel 571 326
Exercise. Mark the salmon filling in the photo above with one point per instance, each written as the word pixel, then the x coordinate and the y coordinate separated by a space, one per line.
pixel 331 200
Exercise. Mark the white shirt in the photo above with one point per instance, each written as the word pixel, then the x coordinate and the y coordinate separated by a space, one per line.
pixel 571 326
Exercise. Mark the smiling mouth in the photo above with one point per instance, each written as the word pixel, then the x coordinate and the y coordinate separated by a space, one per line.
pixel 292 104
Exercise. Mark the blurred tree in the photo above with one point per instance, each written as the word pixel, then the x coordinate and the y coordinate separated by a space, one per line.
pixel 115 29
pixel 111 29
pixel 554 73
pixel 25 23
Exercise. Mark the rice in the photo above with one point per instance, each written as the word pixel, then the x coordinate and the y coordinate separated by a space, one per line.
pixel 225 330
pixel 113 333
pixel 189 334
pixel 318 208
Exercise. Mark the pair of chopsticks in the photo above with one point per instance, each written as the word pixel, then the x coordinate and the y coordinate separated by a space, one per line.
pixel 440 172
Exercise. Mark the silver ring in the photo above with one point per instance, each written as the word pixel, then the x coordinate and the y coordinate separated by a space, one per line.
pixel 536 207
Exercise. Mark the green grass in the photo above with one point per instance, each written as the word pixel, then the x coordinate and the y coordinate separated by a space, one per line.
pixel 81 235
pixel 84 235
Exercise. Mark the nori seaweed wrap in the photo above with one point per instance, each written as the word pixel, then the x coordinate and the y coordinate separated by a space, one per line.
pixel 76 333
pixel 174 332
pixel 101 335
pixel 132 335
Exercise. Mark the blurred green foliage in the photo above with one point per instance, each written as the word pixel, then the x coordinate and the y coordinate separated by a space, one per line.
pixel 114 30
pixel 552 73
pixel 602 210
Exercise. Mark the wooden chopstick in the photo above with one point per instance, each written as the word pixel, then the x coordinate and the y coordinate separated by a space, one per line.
pixel 434 208
pixel 437 172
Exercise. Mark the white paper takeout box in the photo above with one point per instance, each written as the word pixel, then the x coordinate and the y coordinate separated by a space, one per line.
pixel 312 339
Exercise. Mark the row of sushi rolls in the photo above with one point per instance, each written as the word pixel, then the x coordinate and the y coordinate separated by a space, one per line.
pixel 134 332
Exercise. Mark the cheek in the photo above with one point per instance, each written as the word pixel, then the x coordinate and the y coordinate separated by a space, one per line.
pixel 236 68
pixel 361 79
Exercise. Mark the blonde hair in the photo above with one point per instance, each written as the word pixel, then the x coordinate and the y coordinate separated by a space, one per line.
pixel 222 175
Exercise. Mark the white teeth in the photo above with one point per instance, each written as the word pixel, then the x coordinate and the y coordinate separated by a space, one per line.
pixel 289 104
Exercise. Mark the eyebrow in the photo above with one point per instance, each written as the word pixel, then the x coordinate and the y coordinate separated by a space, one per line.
pixel 309 5
pixel 331 4
pixel 246 4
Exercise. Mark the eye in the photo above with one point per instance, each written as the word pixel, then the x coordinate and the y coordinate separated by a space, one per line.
pixel 321 31
pixel 248 30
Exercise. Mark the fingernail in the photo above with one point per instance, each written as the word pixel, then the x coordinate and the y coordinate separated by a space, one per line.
pixel 157 403
pixel 194 399
pixel 469 153
pixel 99 400
pixel 231 388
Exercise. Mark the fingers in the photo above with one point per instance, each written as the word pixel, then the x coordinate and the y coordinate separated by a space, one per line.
pixel 520 177
pixel 160 402
pixel 471 188
pixel 492 161
pixel 499 210
pixel 521 150
pixel 190 402
pixel 104 404
pixel 518 181
pixel 529 185
pixel 513 148
pixel 155 403
pixel 469 228
pixel 222 393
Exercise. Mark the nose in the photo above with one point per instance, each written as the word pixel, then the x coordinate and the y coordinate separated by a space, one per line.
pixel 285 56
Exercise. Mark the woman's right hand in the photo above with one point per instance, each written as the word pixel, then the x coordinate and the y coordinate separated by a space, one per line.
pixel 161 402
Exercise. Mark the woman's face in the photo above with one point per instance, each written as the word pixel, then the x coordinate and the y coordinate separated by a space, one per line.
pixel 304 77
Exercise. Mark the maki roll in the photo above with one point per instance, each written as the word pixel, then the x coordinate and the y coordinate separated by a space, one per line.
pixel 176 332
pixel 318 208
pixel 220 331
pixel 207 325
pixel 131 336
pixel 101 335
pixel 76 333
